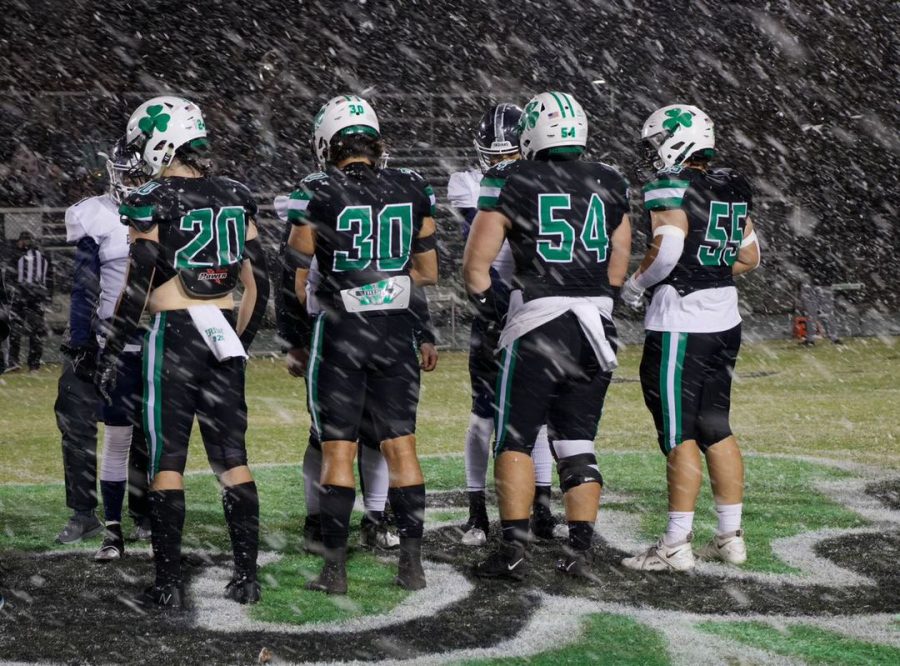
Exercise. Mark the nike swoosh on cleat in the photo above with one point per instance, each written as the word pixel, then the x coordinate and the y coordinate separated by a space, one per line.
pixel 571 564
pixel 674 552
pixel 510 567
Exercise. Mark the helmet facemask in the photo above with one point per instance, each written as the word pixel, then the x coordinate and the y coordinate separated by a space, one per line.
pixel 125 170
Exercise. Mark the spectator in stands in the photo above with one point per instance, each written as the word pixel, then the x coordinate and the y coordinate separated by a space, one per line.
pixel 31 279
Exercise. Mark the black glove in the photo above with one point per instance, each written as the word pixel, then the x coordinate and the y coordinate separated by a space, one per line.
pixel 105 376
pixel 84 360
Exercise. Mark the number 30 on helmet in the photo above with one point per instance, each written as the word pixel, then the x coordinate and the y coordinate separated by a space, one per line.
pixel 553 121
pixel 344 115
pixel 162 125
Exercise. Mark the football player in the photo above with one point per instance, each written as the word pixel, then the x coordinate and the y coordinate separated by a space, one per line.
pixel 101 257
pixel 702 238
pixel 372 231
pixel 193 239
pixel 293 326
pixel 496 140
pixel 567 224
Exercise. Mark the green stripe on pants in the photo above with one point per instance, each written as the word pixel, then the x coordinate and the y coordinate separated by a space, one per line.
pixel 312 373
pixel 503 391
pixel 152 398
pixel 663 387
pixel 679 368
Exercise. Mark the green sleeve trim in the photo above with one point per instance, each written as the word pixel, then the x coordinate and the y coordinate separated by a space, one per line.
pixel 659 184
pixel 663 204
pixel 487 203
pixel 493 182
pixel 140 213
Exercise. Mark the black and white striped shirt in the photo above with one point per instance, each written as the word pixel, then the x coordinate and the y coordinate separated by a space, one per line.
pixel 32 268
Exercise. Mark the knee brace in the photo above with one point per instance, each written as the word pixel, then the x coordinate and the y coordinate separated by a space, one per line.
pixel 576 463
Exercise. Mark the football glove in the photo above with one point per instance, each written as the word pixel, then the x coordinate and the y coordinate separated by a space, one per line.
pixel 84 360
pixel 632 295
pixel 105 376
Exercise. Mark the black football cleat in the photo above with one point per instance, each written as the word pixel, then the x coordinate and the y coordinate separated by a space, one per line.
pixel 410 575
pixel 165 596
pixel 244 590
pixel 113 547
pixel 577 563
pixel 508 561
pixel 333 577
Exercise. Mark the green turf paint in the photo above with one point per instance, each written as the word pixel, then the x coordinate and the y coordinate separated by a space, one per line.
pixel 811 644
pixel 605 639
pixel 371 591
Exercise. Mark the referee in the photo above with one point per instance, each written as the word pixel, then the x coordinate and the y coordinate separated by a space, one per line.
pixel 32 283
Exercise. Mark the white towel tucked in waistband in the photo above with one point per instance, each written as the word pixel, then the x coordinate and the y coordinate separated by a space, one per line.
pixel 524 317
pixel 217 332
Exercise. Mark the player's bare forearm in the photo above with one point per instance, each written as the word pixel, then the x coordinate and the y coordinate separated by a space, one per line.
pixel 482 247
pixel 300 278
pixel 621 252
pixel 248 299
pixel 749 256
pixel 424 269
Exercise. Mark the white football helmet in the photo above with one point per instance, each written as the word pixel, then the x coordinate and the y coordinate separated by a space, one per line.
pixel 160 126
pixel 552 120
pixel 344 114
pixel 675 132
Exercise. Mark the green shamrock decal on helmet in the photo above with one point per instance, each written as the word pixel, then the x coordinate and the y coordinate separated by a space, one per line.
pixel 676 118
pixel 155 119
pixel 529 116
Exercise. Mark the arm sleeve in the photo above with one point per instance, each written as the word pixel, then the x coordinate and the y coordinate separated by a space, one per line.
pixel 141 266
pixel 670 249
pixel 85 292
pixel 255 254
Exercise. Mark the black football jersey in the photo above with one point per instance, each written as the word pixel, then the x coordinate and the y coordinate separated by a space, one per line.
pixel 563 214
pixel 202 228
pixel 366 220
pixel 717 203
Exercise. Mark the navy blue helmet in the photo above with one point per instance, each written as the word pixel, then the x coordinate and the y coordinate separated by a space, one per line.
pixel 498 134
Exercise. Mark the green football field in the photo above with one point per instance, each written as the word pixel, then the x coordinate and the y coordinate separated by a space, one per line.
pixel 823 459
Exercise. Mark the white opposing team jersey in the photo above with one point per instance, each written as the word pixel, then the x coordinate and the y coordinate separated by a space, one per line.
pixel 312 279
pixel 98 218
pixel 703 311
pixel 462 190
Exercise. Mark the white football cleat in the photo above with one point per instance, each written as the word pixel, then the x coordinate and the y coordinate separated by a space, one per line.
pixel 662 557
pixel 474 536
pixel 728 547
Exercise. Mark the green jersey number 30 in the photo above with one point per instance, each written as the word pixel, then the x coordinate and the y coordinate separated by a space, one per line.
pixel 394 238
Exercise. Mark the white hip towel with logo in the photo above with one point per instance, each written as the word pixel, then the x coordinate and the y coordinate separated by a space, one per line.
pixel 215 330
pixel 524 317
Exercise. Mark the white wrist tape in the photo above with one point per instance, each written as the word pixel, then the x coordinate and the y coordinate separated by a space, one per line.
pixel 749 240
pixel 670 248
